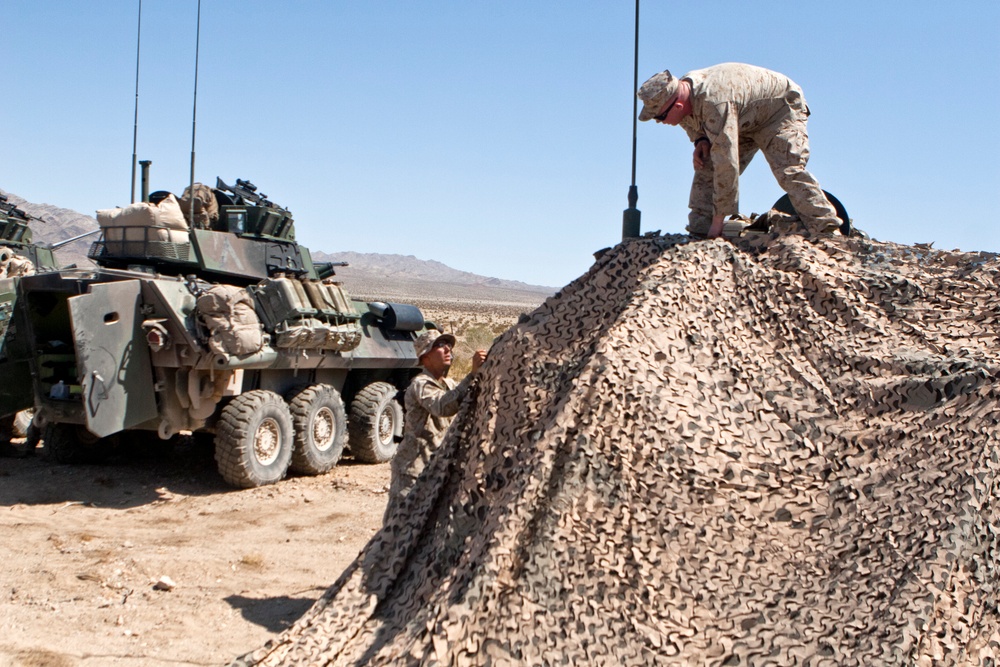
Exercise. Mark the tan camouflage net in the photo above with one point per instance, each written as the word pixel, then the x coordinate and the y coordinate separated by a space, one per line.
pixel 781 452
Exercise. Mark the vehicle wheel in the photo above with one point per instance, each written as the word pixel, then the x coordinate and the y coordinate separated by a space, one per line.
pixel 320 429
pixel 253 439
pixel 376 423
pixel 71 443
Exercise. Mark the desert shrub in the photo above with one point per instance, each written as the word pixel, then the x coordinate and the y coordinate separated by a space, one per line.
pixel 476 336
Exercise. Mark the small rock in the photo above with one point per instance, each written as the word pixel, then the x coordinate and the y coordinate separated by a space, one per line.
pixel 164 583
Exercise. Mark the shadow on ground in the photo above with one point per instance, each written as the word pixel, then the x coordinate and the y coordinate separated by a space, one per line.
pixel 129 478
pixel 273 614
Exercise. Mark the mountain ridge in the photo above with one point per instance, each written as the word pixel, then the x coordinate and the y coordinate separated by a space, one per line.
pixel 427 270
pixel 61 223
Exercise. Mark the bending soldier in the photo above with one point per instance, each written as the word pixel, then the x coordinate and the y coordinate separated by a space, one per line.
pixel 731 111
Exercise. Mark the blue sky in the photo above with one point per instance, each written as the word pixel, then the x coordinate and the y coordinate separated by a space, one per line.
pixel 496 137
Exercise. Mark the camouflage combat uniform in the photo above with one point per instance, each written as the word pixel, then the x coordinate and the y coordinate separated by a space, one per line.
pixel 741 109
pixel 430 406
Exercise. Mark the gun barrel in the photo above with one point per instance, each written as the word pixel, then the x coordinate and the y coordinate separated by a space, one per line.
pixel 60 244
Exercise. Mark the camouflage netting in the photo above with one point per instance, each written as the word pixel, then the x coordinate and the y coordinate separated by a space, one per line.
pixel 780 452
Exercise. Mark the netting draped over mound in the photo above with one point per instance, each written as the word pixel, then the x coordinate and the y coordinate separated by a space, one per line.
pixel 778 452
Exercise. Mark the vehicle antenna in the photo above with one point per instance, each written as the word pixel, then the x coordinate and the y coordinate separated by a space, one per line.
pixel 135 125
pixel 631 216
pixel 194 113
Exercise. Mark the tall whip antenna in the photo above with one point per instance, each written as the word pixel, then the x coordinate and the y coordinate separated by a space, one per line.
pixel 135 125
pixel 194 111
pixel 632 215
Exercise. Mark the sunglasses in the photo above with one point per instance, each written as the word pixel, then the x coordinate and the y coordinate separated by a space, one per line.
pixel 663 116
pixel 441 343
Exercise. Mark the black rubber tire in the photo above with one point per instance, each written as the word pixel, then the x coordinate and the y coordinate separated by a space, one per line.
pixel 253 439
pixel 376 423
pixel 70 444
pixel 320 424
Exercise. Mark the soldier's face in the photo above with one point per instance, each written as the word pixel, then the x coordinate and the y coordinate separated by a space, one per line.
pixel 438 359
pixel 671 113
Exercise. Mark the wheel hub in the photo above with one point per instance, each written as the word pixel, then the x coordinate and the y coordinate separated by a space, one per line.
pixel 385 427
pixel 267 442
pixel 324 429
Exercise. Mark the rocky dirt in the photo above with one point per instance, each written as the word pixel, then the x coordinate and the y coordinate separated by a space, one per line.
pixel 151 559
pixel 90 553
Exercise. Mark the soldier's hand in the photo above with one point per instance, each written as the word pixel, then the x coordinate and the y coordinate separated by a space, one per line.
pixel 477 359
pixel 715 231
pixel 702 152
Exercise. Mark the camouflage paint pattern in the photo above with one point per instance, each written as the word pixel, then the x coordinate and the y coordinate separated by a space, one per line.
pixel 149 341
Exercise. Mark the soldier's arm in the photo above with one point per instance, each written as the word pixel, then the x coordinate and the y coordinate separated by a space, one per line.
pixel 439 402
pixel 722 129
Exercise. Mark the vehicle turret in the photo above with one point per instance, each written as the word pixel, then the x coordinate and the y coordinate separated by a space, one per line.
pixel 16 243
pixel 227 233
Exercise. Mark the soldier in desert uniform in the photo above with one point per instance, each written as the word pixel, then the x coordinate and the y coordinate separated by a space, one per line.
pixel 731 111
pixel 432 400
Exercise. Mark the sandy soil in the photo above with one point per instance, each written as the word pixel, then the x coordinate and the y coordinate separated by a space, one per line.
pixel 84 547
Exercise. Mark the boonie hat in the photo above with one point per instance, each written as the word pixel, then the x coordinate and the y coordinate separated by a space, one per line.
pixel 426 340
pixel 656 92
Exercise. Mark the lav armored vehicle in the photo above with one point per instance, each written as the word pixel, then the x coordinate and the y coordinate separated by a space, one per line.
pixel 16 241
pixel 204 316
pixel 19 256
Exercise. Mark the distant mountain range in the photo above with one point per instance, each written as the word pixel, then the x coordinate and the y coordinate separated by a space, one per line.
pixel 408 267
pixel 371 270
pixel 58 224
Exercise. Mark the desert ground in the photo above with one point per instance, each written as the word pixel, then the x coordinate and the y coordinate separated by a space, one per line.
pixel 150 559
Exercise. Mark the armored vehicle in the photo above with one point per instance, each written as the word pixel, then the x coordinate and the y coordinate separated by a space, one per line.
pixel 16 242
pixel 204 316
pixel 19 256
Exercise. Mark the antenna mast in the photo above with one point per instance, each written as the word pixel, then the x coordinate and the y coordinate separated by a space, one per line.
pixel 194 111
pixel 631 216
pixel 135 125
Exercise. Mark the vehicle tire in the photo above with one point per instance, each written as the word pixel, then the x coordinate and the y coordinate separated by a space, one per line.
pixel 253 439
pixel 320 424
pixel 71 443
pixel 376 423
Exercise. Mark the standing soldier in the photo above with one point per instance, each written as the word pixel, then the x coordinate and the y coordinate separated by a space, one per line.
pixel 432 399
